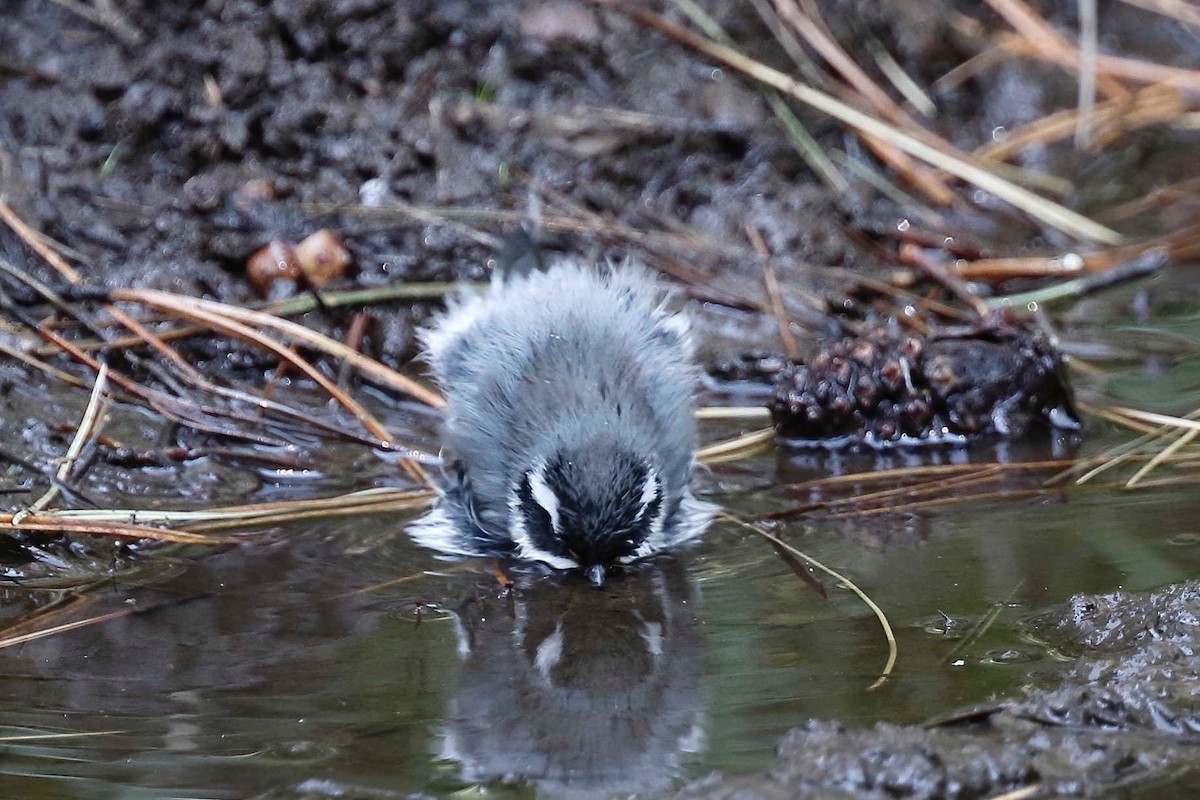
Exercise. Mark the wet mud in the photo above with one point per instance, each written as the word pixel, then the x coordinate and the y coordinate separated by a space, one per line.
pixel 1124 710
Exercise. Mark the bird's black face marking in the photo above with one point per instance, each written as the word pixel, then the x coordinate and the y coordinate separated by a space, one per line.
pixel 588 511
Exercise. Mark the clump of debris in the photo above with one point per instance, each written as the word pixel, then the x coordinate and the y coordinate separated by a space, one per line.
pixel 883 388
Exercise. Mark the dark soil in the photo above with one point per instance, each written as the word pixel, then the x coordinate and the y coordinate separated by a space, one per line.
pixel 165 148
pixel 1125 710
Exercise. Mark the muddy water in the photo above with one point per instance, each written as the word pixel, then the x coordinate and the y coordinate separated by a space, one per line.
pixel 340 660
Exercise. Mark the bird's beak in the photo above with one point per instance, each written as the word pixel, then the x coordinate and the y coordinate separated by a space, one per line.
pixel 596 575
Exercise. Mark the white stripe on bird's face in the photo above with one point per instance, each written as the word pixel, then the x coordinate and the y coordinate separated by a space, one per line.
pixel 544 496
pixel 651 494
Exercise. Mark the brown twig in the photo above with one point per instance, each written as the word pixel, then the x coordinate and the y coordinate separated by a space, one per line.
pixel 772 286
pixel 1154 105
pixel 944 274
pixel 1040 40
pixel 31 238
pixel 1180 245
pixel 216 314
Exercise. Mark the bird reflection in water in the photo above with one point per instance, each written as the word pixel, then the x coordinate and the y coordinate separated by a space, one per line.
pixel 583 692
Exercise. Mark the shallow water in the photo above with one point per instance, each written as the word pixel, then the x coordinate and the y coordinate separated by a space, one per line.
pixel 340 660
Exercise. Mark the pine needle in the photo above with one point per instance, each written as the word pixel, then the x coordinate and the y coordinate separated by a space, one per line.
pixel 875 609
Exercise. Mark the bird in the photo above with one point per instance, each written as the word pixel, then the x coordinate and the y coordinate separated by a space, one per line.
pixel 568 438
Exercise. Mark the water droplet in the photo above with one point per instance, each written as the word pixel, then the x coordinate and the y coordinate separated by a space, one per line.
pixel 1072 262
pixel 1184 539
pixel 903 225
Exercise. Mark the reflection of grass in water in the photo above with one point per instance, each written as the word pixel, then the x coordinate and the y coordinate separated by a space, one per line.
pixel 981 628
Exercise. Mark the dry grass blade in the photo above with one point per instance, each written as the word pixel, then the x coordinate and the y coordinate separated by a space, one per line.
pixel 56 523
pixel 44 737
pixel 1183 423
pixel 733 412
pixel 1177 434
pixel 958 165
pixel 212 312
pixel 738 447
pixel 811 27
pixel 86 427
pixel 10 641
pixel 809 24
pixel 849 584
pixel 1154 105
pixel 185 412
pixel 30 237
pixel 1163 455
pixel 226 320
pixel 802 141
pixel 912 91
pixel 1024 793
pixel 919 505
pixel 916 473
pixel 105 14
pixel 771 284
pixel 1040 40
pixel 38 364
pixel 934 486
pixel 367 501
pixel 1088 45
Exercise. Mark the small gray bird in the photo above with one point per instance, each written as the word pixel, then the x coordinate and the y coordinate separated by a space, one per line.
pixel 569 433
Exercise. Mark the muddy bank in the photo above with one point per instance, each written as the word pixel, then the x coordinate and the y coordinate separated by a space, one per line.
pixel 1126 710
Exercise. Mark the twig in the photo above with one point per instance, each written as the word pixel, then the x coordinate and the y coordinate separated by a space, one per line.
pixel 235 318
pixel 1042 41
pixel 30 237
pixel 1154 105
pixel 772 287
pixel 911 253
pixel 1140 267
